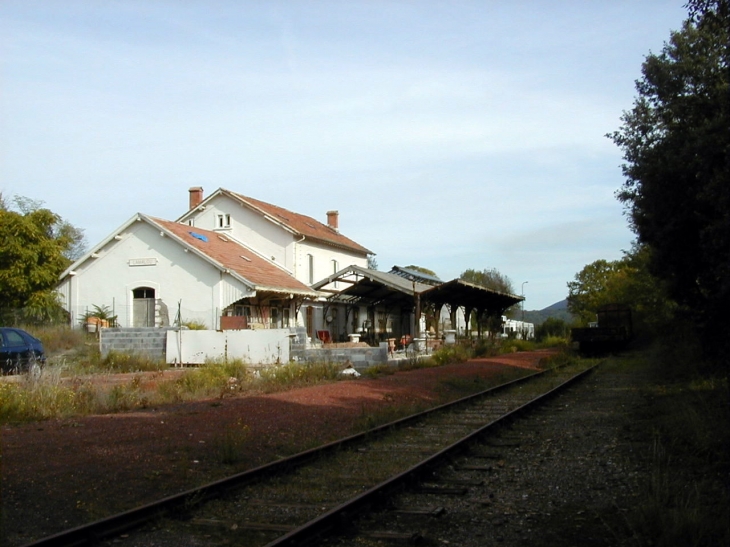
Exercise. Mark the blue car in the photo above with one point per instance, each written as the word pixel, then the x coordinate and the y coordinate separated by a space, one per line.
pixel 20 352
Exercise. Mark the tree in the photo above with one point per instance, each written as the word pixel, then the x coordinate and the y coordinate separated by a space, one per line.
pixel 491 279
pixel 496 281
pixel 627 281
pixel 591 289
pixel 676 145
pixel 552 327
pixel 422 270
pixel 34 244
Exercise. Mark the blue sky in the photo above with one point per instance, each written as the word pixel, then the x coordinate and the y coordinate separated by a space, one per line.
pixel 451 135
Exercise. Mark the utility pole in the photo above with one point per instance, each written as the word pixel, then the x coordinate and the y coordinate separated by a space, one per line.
pixel 523 300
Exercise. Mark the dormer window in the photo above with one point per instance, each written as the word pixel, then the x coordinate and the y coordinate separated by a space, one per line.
pixel 223 221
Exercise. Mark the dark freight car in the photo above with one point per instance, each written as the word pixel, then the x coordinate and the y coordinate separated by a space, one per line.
pixel 612 332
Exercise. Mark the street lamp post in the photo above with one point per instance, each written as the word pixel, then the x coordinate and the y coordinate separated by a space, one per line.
pixel 523 300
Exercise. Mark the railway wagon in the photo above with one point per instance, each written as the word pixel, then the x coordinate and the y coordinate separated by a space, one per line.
pixel 611 332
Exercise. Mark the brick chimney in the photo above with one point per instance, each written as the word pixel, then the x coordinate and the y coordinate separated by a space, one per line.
pixel 333 220
pixel 196 196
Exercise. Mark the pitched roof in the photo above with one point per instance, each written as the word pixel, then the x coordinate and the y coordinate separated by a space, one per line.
pixel 262 274
pixel 416 275
pixel 301 224
pixel 372 286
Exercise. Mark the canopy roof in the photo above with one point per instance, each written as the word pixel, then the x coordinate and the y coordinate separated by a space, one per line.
pixel 371 287
pixel 462 293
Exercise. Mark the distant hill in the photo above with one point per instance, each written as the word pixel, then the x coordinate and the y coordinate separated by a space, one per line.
pixel 559 310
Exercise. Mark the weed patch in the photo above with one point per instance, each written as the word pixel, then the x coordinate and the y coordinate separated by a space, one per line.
pixel 374 371
pixel 686 499
pixel 456 353
pixel 230 446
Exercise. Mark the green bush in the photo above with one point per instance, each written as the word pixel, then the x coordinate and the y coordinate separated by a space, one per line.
pixel 554 342
pixel 451 354
pixel 514 344
pixel 485 348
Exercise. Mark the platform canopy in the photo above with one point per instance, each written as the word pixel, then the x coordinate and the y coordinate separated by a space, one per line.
pixel 370 288
pixel 460 293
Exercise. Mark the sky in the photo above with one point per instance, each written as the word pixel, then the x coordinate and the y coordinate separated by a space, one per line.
pixel 449 135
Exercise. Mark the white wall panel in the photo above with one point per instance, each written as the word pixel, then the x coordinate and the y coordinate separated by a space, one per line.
pixel 256 347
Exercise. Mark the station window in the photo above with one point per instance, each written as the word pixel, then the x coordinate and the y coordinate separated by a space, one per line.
pixel 224 221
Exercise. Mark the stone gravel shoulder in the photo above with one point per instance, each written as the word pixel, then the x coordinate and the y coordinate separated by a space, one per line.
pixel 573 480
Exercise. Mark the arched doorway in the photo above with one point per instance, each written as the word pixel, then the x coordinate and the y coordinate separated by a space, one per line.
pixel 143 307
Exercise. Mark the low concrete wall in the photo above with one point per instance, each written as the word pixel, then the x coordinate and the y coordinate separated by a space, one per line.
pixel 360 357
pixel 255 347
pixel 150 341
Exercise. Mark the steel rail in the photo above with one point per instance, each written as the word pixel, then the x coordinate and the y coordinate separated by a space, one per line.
pixel 99 530
pixel 339 516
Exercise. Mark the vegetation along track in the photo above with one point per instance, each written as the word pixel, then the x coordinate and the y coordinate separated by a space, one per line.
pixel 309 495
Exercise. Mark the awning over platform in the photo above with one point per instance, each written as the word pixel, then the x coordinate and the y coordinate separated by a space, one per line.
pixel 459 293
pixel 372 288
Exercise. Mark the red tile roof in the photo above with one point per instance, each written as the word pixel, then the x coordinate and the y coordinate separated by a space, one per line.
pixel 301 224
pixel 261 273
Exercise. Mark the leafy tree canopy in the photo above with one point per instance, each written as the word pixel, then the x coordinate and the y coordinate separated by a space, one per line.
pixel 676 145
pixel 552 326
pixel 421 269
pixel 36 245
pixel 626 281
pixel 491 279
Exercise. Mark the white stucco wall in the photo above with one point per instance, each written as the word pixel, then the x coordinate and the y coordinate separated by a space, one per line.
pixel 250 228
pixel 324 258
pixel 176 276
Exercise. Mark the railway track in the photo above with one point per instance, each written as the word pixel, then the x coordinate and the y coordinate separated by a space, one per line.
pixel 304 498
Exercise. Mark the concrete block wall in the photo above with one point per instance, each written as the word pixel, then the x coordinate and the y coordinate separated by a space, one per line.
pixel 360 358
pixel 150 341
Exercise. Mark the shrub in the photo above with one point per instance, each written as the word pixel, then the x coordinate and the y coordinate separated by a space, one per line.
pixel 485 348
pixel 450 354
pixel 514 344
pixel 554 342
